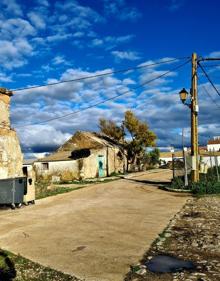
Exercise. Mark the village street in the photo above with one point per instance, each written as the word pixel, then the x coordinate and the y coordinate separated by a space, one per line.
pixel 94 233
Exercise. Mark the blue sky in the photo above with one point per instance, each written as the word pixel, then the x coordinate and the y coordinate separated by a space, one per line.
pixel 46 41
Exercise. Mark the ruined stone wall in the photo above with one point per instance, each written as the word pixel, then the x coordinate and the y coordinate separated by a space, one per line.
pixel 116 160
pixel 11 158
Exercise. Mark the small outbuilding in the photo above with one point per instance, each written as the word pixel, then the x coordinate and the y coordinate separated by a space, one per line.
pixel 84 155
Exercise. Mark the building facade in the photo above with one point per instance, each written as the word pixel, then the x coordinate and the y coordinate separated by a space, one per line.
pixel 214 144
pixel 85 155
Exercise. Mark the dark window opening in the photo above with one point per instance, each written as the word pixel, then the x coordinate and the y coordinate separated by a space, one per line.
pixel 81 153
pixel 119 155
pixel 25 171
pixel 45 166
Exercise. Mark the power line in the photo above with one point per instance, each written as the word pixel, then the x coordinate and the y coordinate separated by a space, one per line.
pixel 98 75
pixel 207 92
pixel 106 100
pixel 211 65
pixel 209 79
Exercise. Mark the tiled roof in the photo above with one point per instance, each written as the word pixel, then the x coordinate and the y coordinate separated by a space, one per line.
pixel 215 141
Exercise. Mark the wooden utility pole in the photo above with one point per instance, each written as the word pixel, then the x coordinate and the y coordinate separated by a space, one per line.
pixel 194 121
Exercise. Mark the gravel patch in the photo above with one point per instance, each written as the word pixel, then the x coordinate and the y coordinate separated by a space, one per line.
pixel 193 235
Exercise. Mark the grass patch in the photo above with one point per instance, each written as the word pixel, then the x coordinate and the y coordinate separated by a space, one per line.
pixel 90 181
pixel 23 269
pixel 44 192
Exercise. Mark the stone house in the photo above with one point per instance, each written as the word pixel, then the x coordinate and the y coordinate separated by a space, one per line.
pixel 11 157
pixel 84 155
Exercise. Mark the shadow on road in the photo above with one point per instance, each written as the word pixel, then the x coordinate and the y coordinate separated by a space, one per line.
pixel 157 183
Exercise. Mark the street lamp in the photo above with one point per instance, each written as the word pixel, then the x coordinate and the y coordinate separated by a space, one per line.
pixel 183 95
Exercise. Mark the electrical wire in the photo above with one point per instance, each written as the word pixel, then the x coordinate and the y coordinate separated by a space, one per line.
pixel 98 75
pixel 106 100
pixel 209 79
pixel 211 65
pixel 207 92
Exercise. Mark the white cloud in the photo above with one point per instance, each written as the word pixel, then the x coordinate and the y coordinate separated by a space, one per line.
pixel 128 81
pixel 83 12
pixel 60 60
pixel 119 39
pixel 59 37
pixel 12 7
pixel 215 54
pixel 97 42
pixel 37 20
pixel 43 3
pixel 70 16
pixel 39 137
pixel 126 55
pixel 13 53
pixel 79 34
pixel 158 104
pixel 121 10
pixel 14 28
pixel 110 42
pixel 5 78
pixel 176 5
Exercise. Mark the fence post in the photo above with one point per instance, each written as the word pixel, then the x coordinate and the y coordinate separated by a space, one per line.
pixel 216 166
pixel 185 167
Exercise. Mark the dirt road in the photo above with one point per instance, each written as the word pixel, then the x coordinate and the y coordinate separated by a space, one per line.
pixel 93 233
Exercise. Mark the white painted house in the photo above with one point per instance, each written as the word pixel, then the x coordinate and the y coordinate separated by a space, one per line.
pixel 214 144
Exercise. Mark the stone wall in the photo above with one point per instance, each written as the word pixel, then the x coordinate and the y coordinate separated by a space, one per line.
pixel 11 157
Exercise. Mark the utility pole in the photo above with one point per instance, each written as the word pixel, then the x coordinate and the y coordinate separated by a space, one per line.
pixel 194 120
pixel 194 111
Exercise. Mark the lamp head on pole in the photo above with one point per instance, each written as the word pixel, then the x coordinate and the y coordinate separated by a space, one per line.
pixel 183 95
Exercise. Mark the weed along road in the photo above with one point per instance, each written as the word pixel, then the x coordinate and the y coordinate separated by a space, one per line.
pixel 94 233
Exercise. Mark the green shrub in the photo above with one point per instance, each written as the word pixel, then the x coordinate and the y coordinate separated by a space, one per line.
pixel 208 183
pixel 206 187
pixel 178 183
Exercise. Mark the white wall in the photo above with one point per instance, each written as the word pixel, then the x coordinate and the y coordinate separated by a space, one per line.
pixel 213 147
pixel 210 161
pixel 57 167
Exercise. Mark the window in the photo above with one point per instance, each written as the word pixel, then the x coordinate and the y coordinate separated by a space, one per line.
pixel 45 166
pixel 80 153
